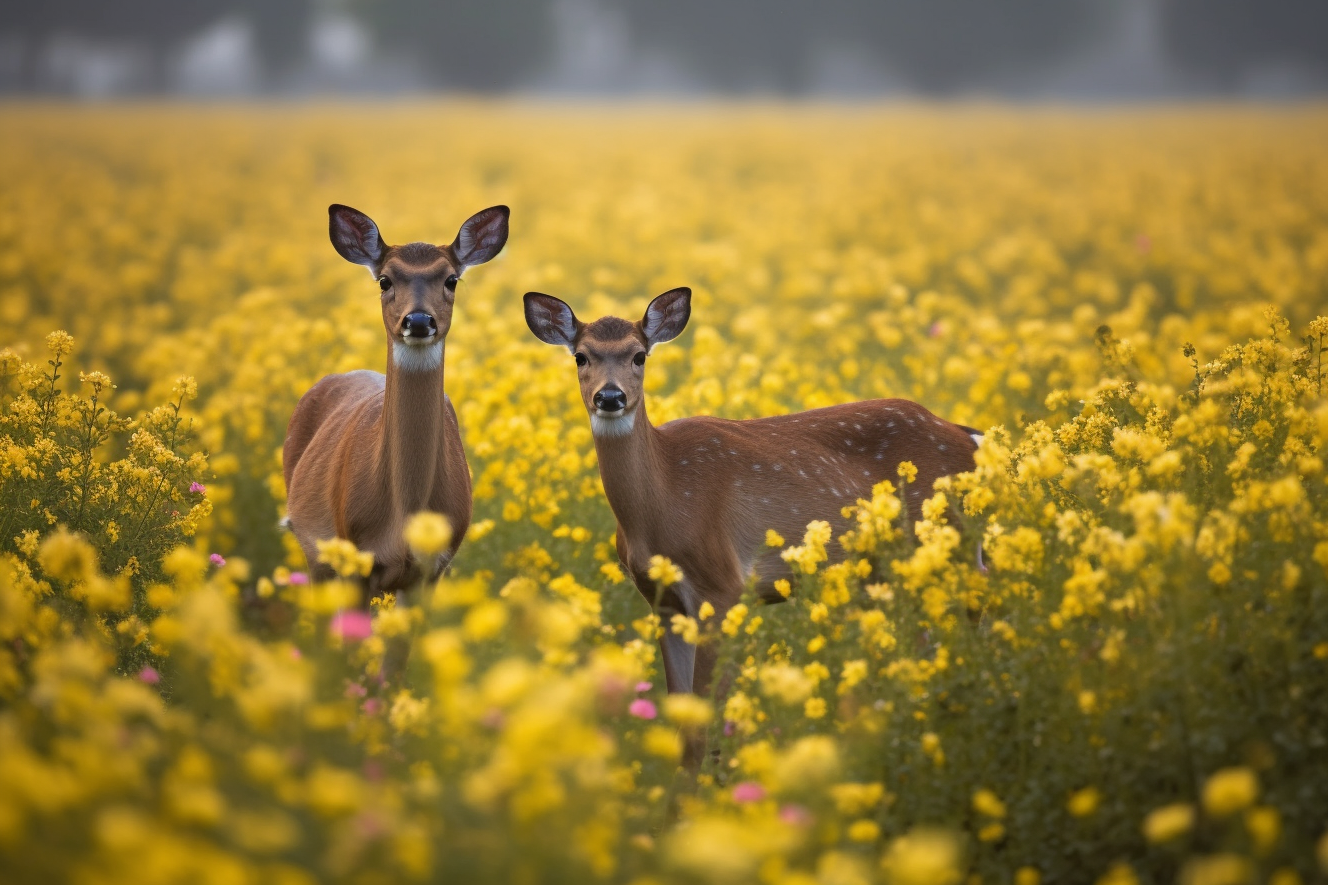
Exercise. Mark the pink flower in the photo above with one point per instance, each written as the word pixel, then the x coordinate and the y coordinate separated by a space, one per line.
pixel 730 728
pixel 644 686
pixel 748 791
pixel 217 559
pixel 795 815
pixel 643 709
pixel 298 578
pixel 936 329
pixel 149 675
pixel 372 707
pixel 1143 243
pixel 197 488
pixel 351 625
pixel 355 690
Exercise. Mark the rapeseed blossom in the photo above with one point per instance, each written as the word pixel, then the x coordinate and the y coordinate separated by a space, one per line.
pixel 1127 590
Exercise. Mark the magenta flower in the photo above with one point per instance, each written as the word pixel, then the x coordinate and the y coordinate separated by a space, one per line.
pixel 643 709
pixel 644 686
pixel 355 690
pixel 372 707
pixel 217 559
pixel 351 625
pixel 298 578
pixel 149 675
pixel 730 728
pixel 748 791
pixel 795 815
pixel 197 488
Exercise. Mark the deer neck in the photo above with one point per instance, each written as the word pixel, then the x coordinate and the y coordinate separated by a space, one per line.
pixel 412 424
pixel 632 467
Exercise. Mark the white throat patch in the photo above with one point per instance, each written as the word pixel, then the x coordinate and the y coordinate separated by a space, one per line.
pixel 417 357
pixel 612 426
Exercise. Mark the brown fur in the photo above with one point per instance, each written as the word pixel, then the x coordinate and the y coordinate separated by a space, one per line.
pixel 364 450
pixel 703 491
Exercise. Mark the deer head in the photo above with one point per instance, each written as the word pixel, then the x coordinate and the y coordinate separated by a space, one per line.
pixel 418 281
pixel 610 352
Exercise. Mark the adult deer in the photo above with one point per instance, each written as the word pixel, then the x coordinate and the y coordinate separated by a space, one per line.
pixel 364 450
pixel 703 491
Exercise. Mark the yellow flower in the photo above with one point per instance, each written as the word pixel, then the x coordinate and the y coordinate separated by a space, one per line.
pixel 427 533
pixel 807 764
pixel 662 742
pixel 853 799
pixel 1085 802
pixel 685 627
pixel 1217 869
pixel 814 708
pixel 1230 790
pixel 1168 822
pixel 907 471
pixel 60 343
pixel 733 619
pixel 663 572
pixel 687 710
pixel 1265 827
pixel 1027 876
pixel 67 557
pixel 1119 874
pixel 923 857
pixel 773 538
pixel 864 831
pixel 346 560
pixel 705 612
pixel 988 803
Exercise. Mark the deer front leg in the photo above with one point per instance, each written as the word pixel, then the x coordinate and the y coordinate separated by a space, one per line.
pixel 679 655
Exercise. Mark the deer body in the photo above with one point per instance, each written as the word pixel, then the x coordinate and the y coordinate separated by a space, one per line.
pixel 365 450
pixel 703 491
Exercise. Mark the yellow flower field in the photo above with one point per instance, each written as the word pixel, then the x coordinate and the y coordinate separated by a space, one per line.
pixel 1131 303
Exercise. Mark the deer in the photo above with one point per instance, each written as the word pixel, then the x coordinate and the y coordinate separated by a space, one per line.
pixel 703 491
pixel 364 450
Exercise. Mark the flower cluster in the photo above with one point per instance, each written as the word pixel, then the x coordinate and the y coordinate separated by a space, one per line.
pixel 1102 655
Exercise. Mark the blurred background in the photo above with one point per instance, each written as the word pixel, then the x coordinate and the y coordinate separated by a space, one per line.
pixel 1015 49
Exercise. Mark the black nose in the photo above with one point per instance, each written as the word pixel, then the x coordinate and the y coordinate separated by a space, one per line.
pixel 611 399
pixel 418 325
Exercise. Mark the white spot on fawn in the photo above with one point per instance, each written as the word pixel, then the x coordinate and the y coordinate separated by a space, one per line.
pixel 977 438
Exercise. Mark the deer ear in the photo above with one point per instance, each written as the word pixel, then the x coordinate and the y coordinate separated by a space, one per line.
pixel 667 316
pixel 355 236
pixel 482 237
pixel 551 320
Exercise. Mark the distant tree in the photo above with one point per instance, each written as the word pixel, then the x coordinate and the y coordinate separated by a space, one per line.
pixel 159 26
pixel 937 45
pixel 465 44
pixel 1221 39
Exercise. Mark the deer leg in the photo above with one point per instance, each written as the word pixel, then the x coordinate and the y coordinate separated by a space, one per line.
pixel 679 658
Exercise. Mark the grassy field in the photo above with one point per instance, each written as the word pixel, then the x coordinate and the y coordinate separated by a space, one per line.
pixel 1129 302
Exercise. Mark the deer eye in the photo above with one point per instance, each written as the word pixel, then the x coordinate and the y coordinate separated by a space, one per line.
pixel 384 283
pixel 640 359
pixel 581 358
pixel 451 282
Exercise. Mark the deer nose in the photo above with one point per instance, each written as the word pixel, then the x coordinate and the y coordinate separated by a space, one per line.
pixel 610 399
pixel 419 325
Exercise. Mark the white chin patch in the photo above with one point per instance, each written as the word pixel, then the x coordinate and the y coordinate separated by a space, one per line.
pixel 417 357
pixel 620 426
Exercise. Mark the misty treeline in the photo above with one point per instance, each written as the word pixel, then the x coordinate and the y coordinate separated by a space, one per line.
pixel 934 46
